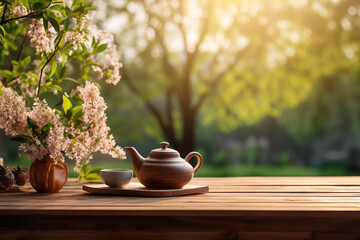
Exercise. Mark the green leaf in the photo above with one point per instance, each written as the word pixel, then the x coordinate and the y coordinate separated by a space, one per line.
pixel 93 42
pixel 45 129
pixel 77 109
pixel 26 61
pixel 38 6
pixel 43 61
pixel 68 114
pixel 84 47
pixel 54 23
pixel 63 59
pixel 90 8
pixel 12 45
pixel 85 169
pixel 76 3
pixel 2 32
pixel 50 86
pixel 62 72
pixel 14 63
pixel 95 170
pixel 69 23
pixel 6 1
pixel 58 7
pixel 100 48
pixel 6 73
pixel 79 9
pixel 31 123
pixel 77 113
pixel 67 9
pixel 59 112
pixel 34 76
pixel 92 176
pixel 71 79
pixel 55 86
pixel 66 104
pixel 46 24
pixel 53 69
pixel 45 14
pixel 26 3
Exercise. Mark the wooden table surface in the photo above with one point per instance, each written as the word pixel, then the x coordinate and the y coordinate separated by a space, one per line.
pixel 235 208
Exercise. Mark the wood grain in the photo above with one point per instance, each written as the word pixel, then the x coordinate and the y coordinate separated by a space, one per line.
pixel 336 236
pixel 275 235
pixel 135 189
pixel 91 234
pixel 234 208
pixel 275 181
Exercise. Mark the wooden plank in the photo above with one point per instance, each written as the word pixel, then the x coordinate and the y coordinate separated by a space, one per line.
pixel 309 214
pixel 123 201
pixel 235 208
pixel 232 224
pixel 307 181
pixel 284 188
pixel 88 235
pixel 238 181
pixel 224 187
pixel 71 234
pixel 76 187
pixel 275 236
pixel 65 193
pixel 206 207
pixel 221 198
pixel 336 236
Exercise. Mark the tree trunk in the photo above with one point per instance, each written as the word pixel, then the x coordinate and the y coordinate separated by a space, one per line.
pixel 188 138
pixel 186 144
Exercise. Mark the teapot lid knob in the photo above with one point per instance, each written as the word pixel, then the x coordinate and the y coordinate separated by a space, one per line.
pixel 164 144
pixel 164 152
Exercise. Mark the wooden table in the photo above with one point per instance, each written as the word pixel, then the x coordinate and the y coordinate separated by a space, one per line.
pixel 288 208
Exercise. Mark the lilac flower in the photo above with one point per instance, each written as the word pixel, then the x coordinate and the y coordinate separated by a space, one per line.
pixel 12 112
pixel 94 135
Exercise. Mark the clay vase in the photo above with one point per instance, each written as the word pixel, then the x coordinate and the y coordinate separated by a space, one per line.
pixel 46 176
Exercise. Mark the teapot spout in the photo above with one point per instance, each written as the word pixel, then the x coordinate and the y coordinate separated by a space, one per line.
pixel 136 158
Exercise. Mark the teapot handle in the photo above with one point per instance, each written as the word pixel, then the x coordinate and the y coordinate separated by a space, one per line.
pixel 198 156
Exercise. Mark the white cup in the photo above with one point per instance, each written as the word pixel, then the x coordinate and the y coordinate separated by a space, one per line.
pixel 116 178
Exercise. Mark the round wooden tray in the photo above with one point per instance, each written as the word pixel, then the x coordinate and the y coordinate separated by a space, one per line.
pixel 136 189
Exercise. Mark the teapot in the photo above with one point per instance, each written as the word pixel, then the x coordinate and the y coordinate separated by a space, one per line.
pixel 164 168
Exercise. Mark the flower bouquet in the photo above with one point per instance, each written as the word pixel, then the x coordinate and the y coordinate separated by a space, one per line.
pixel 43 43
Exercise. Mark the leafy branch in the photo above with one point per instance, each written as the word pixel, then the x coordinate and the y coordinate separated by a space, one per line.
pixel 3 20
pixel 47 62
pixel 22 47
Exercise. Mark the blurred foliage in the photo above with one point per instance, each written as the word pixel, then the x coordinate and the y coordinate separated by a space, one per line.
pixel 284 159
pixel 236 62
pixel 283 70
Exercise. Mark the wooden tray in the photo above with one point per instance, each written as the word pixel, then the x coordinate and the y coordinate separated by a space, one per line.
pixel 136 189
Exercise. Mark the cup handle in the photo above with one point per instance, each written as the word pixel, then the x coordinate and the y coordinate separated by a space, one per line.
pixel 198 156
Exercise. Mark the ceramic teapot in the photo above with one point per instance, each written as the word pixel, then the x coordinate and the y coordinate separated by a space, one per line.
pixel 164 168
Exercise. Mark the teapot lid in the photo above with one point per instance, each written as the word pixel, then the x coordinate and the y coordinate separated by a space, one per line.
pixel 164 152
